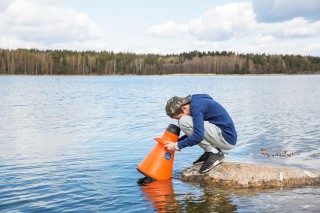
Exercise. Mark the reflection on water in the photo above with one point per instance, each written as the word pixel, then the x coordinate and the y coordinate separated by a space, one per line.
pixel 164 199
pixel 161 193
pixel 74 143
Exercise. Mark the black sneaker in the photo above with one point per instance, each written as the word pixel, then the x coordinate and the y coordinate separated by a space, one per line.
pixel 202 158
pixel 213 160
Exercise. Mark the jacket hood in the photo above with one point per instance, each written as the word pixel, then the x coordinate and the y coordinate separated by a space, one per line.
pixel 197 96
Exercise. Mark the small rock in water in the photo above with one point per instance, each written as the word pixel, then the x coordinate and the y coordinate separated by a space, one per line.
pixel 285 153
pixel 264 152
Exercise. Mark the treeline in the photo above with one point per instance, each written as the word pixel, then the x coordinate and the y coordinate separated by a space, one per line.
pixel 66 62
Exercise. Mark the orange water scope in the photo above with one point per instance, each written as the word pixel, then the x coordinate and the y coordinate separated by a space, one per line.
pixel 158 163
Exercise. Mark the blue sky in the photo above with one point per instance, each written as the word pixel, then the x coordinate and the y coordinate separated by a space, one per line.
pixel 141 26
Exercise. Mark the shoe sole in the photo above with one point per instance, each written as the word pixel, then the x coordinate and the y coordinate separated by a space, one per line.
pixel 198 163
pixel 213 165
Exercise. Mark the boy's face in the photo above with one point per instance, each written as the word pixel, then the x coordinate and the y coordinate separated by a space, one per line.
pixel 186 111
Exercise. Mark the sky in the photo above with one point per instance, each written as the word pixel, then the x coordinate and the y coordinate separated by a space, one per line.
pixel 164 27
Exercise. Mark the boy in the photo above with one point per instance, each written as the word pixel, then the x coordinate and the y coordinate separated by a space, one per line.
pixel 206 123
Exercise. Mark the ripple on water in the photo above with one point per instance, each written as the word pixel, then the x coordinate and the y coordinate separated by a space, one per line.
pixel 73 143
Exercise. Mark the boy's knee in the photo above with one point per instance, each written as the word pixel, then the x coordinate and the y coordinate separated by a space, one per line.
pixel 185 122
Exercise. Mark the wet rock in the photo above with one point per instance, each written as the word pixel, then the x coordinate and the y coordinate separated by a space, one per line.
pixel 245 175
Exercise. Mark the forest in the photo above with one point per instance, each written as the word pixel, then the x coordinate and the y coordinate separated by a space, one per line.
pixel 67 62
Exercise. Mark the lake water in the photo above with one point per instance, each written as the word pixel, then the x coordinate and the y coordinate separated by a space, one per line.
pixel 73 143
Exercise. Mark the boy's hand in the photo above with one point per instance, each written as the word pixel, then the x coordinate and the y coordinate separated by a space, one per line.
pixel 170 146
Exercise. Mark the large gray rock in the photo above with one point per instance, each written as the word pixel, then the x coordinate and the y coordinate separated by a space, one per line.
pixel 245 175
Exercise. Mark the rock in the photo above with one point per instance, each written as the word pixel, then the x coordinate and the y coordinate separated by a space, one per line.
pixel 245 175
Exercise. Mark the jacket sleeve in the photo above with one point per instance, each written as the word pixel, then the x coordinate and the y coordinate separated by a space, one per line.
pixel 182 137
pixel 198 129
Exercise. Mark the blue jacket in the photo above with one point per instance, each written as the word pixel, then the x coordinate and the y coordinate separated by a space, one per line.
pixel 204 108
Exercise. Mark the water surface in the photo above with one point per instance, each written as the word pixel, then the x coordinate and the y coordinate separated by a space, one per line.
pixel 73 143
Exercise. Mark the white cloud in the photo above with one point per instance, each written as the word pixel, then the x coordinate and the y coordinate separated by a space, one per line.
pixel 271 45
pixel 220 23
pixel 41 24
pixel 234 27
pixel 201 43
pixel 223 22
pixel 239 27
pixel 170 29
pixel 4 4
pixel 295 28
pixel 236 20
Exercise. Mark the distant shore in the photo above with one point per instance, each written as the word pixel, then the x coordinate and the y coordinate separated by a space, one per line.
pixel 66 62
pixel 180 74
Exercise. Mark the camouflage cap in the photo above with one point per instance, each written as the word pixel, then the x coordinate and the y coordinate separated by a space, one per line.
pixel 174 103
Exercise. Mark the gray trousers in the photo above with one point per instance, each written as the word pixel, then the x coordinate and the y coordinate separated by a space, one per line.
pixel 212 134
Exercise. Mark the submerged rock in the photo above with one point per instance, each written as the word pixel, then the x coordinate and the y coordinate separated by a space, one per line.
pixel 245 175
pixel 284 153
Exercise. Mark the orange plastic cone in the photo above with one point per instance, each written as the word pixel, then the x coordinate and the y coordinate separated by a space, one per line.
pixel 158 163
